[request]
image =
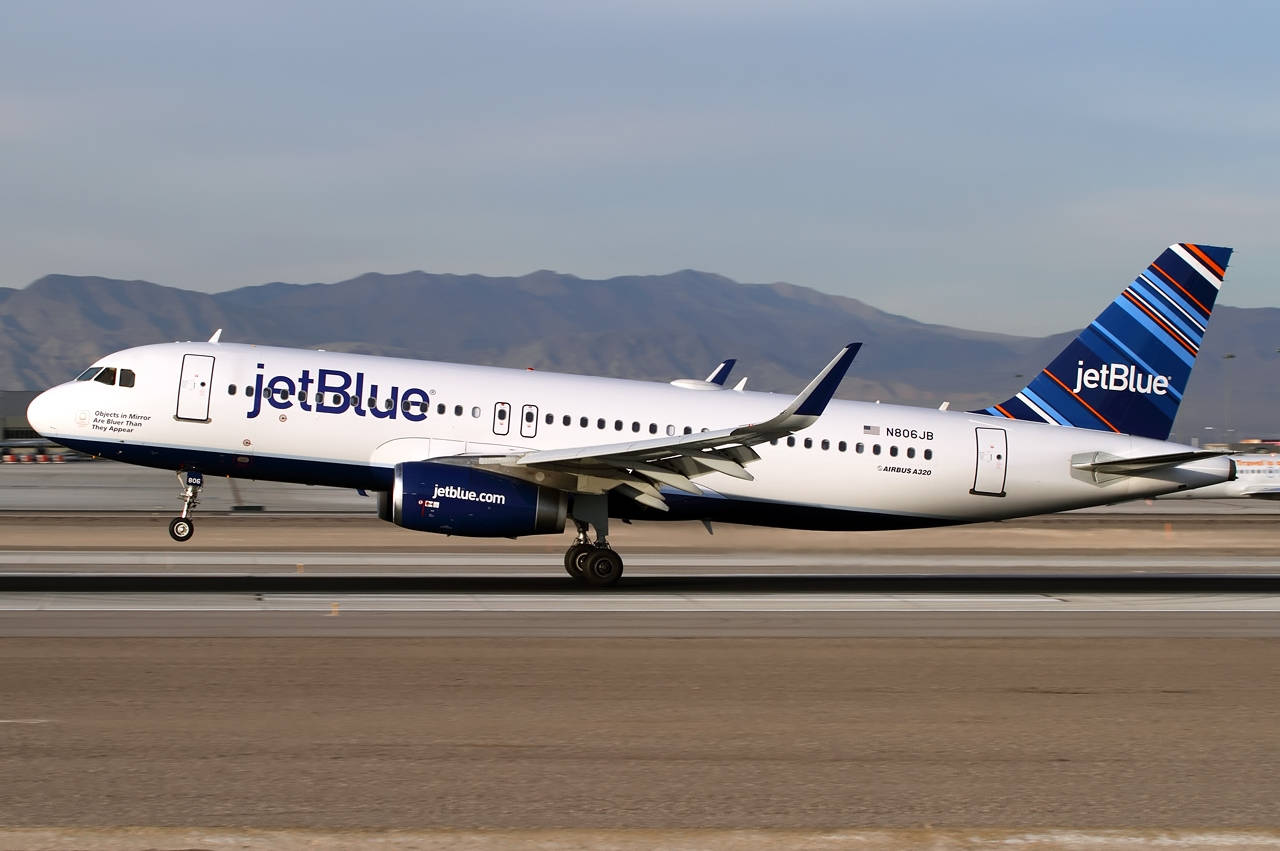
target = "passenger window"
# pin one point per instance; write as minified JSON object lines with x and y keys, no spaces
{"x":928,"y":454}
{"x":773,"y":442}
{"x":126,"y":378}
{"x":372,"y":403}
{"x":302,"y":396}
{"x":791,"y":441}
{"x":911,"y":452}
{"x":635,"y":426}
{"x":551,"y":419}
{"x":671,"y":431}
{"x":231,"y":390}
{"x":688,"y":430}
{"x":475,"y":412}
{"x":842,"y":446}
{"x":388,"y":406}
{"x":893,"y":451}
{"x":582,"y":422}
{"x":248,"y":391}
{"x":826,"y":444}
{"x":568,"y":420}
{"x":337,"y":398}
{"x":404,"y":405}
{"x":653,"y":428}
{"x":600,"y":423}
{"x":858,"y":449}
{"x":617,"y":425}
{"x":440,"y":408}
{"x":808,"y":443}
{"x":875,"y":449}
{"x":457,"y":410}
{"x":107,"y":376}
{"x":502,"y":414}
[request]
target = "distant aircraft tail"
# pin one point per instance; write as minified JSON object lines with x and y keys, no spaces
{"x":1127,"y":371}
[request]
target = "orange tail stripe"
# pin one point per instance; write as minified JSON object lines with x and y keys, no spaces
{"x":1204,"y":258}
{"x":1082,"y":402}
{"x":1170,"y":279}
{"x":1171,"y":332}
{"x":1003,"y":411}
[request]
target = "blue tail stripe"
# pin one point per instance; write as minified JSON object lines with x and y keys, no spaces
{"x":1170,"y":311}
{"x":1158,"y":284}
{"x":1161,"y":335}
{"x":1043,"y":404}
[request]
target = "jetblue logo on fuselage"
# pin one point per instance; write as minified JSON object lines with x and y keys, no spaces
{"x":1124,"y":377}
{"x":333,"y":391}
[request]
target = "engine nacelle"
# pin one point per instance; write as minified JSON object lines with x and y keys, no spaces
{"x":452,"y":500}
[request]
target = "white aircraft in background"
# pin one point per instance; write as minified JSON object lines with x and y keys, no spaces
{"x":1257,"y":477}
{"x":484,"y":451}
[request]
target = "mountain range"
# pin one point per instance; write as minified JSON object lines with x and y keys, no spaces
{"x":649,"y":327}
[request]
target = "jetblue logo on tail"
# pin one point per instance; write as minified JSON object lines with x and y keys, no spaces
{"x":1124,"y":377}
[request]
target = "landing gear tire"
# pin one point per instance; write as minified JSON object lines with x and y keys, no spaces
{"x":575,"y":559}
{"x":181,"y":529}
{"x":602,"y":568}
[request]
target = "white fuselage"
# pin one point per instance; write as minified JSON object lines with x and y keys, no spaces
{"x":202,"y":406}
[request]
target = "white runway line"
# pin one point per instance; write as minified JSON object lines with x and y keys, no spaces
{"x":924,"y":562}
{"x":586,"y":602}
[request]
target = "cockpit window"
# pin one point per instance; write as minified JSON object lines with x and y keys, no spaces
{"x":89,"y":373}
{"x":126,"y":378}
{"x":107,"y":376}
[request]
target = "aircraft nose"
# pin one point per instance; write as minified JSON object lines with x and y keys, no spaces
{"x":43,"y":413}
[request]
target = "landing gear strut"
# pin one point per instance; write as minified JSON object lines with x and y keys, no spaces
{"x":592,"y":563}
{"x":182,"y":527}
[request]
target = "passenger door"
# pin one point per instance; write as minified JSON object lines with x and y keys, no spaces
{"x":989,"y":473}
{"x":194,"y":385}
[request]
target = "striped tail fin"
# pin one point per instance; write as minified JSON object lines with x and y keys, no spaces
{"x":1127,"y":371}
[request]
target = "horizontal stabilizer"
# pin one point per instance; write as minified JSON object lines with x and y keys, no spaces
{"x":1100,"y":462}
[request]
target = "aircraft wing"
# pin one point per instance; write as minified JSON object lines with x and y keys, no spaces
{"x":638,"y":468}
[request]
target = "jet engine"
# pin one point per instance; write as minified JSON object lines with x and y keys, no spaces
{"x":455,"y":500}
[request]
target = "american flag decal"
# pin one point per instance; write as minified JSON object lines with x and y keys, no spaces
{"x":871,"y":430}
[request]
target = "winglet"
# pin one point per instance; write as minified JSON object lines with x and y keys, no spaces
{"x":217,"y":335}
{"x":721,"y":373}
{"x":813,"y":400}
{"x":805,"y":409}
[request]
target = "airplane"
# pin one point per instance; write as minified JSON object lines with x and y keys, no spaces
{"x":493,"y":452}
{"x":1258,"y":477}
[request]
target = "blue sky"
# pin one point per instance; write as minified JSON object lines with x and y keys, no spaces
{"x":997,"y":165}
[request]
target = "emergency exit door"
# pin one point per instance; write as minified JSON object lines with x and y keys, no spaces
{"x":194,"y":385}
{"x":989,"y":473}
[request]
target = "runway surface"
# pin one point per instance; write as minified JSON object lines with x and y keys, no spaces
{"x":601,"y":734}
{"x":1107,"y":672}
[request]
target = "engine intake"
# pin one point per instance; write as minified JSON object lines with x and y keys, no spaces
{"x":452,"y":500}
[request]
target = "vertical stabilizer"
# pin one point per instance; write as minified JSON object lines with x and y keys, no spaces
{"x":1127,"y":371}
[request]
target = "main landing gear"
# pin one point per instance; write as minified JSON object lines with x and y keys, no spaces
{"x":182,"y":527}
{"x":595,"y":564}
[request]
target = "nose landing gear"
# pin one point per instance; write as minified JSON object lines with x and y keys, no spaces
{"x":182,"y":527}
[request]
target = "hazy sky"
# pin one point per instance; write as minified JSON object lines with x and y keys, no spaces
{"x":999,"y":165}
